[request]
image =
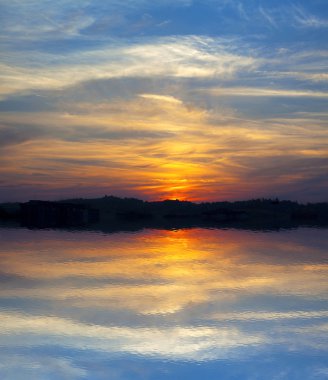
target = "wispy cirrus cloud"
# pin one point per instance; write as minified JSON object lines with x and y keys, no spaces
{"x":279,"y":16}
{"x":305,"y":19}
{"x":268,"y":17}
{"x":267,"y":92}
{"x":66,"y":19}
{"x":178,"y":57}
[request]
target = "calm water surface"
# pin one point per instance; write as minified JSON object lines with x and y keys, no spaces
{"x":187,"y":304}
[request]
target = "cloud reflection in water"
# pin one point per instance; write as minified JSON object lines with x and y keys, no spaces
{"x":193,"y":296}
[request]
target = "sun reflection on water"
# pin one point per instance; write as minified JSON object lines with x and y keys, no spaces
{"x":186,"y":295}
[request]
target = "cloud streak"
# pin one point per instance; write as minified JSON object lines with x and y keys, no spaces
{"x":307,"y":20}
{"x":267,"y":92}
{"x":178,"y":57}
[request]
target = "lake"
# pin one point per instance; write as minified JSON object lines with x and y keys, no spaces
{"x":164,"y":304}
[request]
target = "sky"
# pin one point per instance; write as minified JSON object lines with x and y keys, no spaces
{"x":199,"y":100}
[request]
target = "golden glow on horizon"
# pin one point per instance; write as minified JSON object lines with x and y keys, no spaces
{"x":160,"y":149}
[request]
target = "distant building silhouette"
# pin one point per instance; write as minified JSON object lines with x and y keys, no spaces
{"x":55,"y":214}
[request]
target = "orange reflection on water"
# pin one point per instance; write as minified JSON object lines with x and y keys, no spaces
{"x":192,"y":295}
{"x":162,"y":272}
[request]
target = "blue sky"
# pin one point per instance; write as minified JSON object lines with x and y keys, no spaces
{"x":167,"y":99}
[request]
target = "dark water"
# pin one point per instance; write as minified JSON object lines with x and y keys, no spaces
{"x":187,"y":304}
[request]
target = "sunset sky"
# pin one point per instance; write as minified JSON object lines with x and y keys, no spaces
{"x":199,"y":100}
